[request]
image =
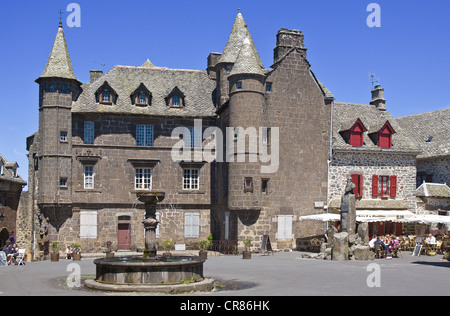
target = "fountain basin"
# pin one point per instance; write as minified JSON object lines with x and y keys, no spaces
{"x":160,"y":270}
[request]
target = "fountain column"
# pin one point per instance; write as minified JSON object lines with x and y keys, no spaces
{"x":150,"y":222}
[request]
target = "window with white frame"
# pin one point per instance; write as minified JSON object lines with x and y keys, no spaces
{"x":63,"y":136}
{"x":190,"y":179}
{"x":88,"y":224}
{"x":144,"y":135}
{"x":143,"y":178}
{"x":89,"y":132}
{"x":191,"y":225}
{"x":88,"y":177}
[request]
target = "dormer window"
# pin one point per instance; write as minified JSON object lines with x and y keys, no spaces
{"x":355,"y":135}
{"x":385,"y":136}
{"x":175,"y":99}
{"x":141,"y":96}
{"x":105,"y":94}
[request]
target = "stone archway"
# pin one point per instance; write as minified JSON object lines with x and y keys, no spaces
{"x":4,"y":235}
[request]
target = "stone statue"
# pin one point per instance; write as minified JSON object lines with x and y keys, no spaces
{"x":349,"y":187}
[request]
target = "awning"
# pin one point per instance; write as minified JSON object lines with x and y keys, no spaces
{"x":364,"y":216}
{"x":429,"y":219}
{"x":382,"y":216}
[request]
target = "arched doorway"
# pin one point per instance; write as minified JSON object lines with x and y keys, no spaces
{"x":4,"y":235}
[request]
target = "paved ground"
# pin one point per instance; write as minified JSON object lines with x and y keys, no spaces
{"x":281,"y":274}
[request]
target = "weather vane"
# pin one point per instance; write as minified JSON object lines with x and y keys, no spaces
{"x":60,"y":14}
{"x":374,"y":81}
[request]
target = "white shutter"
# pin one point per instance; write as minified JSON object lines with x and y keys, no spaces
{"x":191,"y":225}
{"x":88,"y":224}
{"x":284,"y":227}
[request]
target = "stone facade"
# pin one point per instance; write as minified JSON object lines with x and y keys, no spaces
{"x":11,"y":217}
{"x":368,"y":164}
{"x":87,"y":160}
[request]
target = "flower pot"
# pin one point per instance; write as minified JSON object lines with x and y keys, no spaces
{"x":246,"y":255}
{"x":76,"y":256}
{"x":54,"y":256}
{"x":203,"y":254}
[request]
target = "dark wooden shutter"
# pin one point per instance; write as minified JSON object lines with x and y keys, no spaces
{"x":374,"y":185}
{"x":393,"y":186}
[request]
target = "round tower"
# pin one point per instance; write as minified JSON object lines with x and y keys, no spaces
{"x":246,"y":99}
{"x":58,"y":88}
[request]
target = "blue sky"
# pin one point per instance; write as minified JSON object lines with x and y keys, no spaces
{"x":409,"y":53}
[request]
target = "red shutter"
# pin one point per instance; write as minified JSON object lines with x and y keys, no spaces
{"x":355,"y":178}
{"x":374,"y":185}
{"x":360,"y":185}
{"x":393,"y":186}
{"x":384,"y":140}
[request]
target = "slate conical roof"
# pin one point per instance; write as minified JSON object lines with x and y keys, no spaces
{"x":59,"y":64}
{"x":239,"y":33}
{"x":247,"y":61}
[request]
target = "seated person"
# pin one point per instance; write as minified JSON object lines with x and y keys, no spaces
{"x":378,"y":241}
{"x":431,"y":239}
{"x":14,"y":254}
{"x":68,"y":252}
{"x":393,"y":244}
{"x":8,"y":249}
{"x":372,"y":242}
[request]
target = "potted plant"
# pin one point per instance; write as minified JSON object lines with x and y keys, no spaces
{"x":167,"y":245}
{"x":447,"y":255}
{"x":54,"y":248}
{"x":109,"y":252}
{"x":203,"y":246}
{"x":247,"y":244}
{"x":76,"y":251}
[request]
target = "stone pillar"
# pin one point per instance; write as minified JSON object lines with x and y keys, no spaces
{"x":339,"y":251}
{"x":348,"y":214}
{"x":150,"y":223}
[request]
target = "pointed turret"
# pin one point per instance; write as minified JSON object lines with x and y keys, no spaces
{"x":247,"y":62}
{"x":59,"y":64}
{"x":239,"y":33}
{"x":239,"y":41}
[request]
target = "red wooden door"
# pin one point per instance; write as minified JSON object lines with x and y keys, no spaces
{"x":124,"y":237}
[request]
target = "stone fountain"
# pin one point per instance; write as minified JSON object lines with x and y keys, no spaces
{"x":150,"y":272}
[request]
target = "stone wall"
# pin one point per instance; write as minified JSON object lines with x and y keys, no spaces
{"x":438,"y":167}
{"x":368,"y":164}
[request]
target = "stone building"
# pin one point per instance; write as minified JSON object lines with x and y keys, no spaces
{"x":240,"y":150}
{"x":11,"y":184}
{"x":370,"y":146}
{"x":100,"y":141}
{"x":430,"y":133}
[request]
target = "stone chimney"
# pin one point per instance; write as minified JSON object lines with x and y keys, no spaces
{"x":378,"y":98}
{"x":95,"y":74}
{"x":286,"y":40}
